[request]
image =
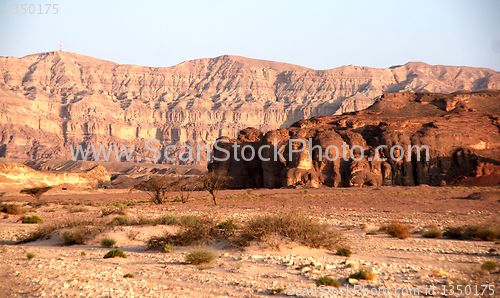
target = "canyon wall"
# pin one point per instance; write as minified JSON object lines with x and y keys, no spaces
{"x":51,"y":101}
{"x":461,"y":132}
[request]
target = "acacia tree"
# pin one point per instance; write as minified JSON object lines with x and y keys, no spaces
{"x":36,"y":192}
{"x":185,"y":185}
{"x":156,"y":187}
{"x":212,"y":183}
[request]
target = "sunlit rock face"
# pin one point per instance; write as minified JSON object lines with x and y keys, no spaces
{"x":50,"y":101}
{"x":460,"y":130}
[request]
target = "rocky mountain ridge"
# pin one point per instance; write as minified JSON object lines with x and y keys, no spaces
{"x":52,"y":100}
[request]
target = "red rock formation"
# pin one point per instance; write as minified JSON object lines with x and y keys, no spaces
{"x":461,"y":131}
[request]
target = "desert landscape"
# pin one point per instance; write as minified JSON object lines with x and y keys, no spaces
{"x":425,"y":260}
{"x":249,"y":148}
{"x":302,"y":227}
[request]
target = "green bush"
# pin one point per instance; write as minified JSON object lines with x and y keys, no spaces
{"x":489,"y":265}
{"x":344,"y":252}
{"x":30,"y":255}
{"x":328,"y":281}
{"x":128,"y":275}
{"x":108,"y":242}
{"x":115,"y":253}
{"x":33,"y":219}
{"x":199,"y":256}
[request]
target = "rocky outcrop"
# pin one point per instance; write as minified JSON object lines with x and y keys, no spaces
{"x":50,"y":101}
{"x":18,"y":176}
{"x":460,"y":130}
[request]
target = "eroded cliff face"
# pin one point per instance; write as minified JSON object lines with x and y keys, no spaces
{"x":460,"y":130}
{"x":50,"y":101}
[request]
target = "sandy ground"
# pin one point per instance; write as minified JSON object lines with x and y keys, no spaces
{"x":417,"y":266}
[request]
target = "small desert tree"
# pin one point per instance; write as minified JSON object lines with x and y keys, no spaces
{"x":212,"y":183}
{"x":36,"y":192}
{"x":156,"y":187}
{"x":185,"y":185}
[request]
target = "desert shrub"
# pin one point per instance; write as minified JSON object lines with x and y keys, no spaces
{"x":168,"y":220}
{"x":33,"y":219}
{"x":199,"y":256}
{"x":201,"y":231}
{"x":365,"y":274}
{"x":120,"y":210}
{"x":189,"y":220}
{"x":294,"y":227}
{"x":44,"y":231}
{"x":486,"y":232}
{"x":76,"y":235}
{"x":128,"y":275}
{"x":13,"y":209}
{"x":489,"y":265}
{"x":432,"y":232}
{"x":30,"y":255}
{"x":108,"y":242}
{"x":122,"y":221}
{"x":397,"y":229}
{"x":227,"y":225}
{"x":78,"y":209}
{"x":115,"y":253}
{"x":168,"y":248}
{"x":197,"y":232}
{"x":343,"y":251}
{"x":327,"y":281}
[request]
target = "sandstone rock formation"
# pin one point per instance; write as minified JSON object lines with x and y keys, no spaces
{"x":461,"y":130}
{"x":50,"y":101}
{"x":18,"y":176}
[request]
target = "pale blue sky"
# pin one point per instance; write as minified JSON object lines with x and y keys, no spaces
{"x":317,"y":34}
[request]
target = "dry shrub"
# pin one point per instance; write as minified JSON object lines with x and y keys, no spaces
{"x":13,"y":209}
{"x":201,"y":231}
{"x":294,"y":227}
{"x":485,"y":232}
{"x":80,"y":234}
{"x":44,"y":231}
{"x":120,"y":210}
{"x":364,"y":274}
{"x":397,"y":229}
{"x":197,"y":232}
{"x":199,"y":256}
{"x":432,"y":232}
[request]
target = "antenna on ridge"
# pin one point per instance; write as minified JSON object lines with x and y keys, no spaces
{"x":60,"y":46}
